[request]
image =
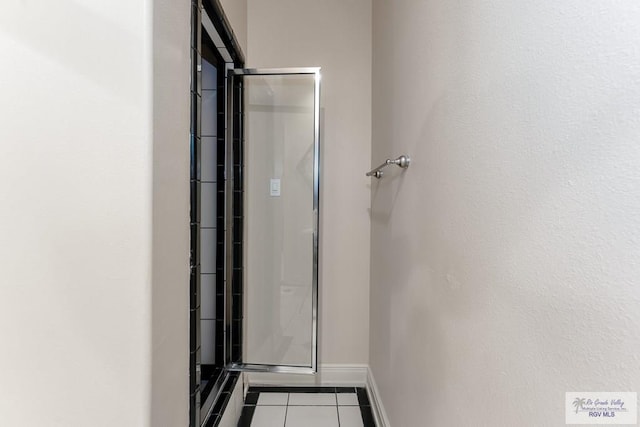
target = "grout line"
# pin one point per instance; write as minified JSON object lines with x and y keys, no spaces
{"x":337,"y":409}
{"x":286,"y":411}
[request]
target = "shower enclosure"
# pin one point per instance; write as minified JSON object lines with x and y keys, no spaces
{"x":281,"y":199}
{"x":254,"y":216}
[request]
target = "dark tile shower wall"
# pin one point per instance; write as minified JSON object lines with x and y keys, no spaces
{"x":216,"y":292}
{"x":221,"y":278}
{"x":225,"y":396}
{"x":237,"y":223}
{"x":195,"y":185}
{"x":212,"y":246}
{"x":209,"y":238}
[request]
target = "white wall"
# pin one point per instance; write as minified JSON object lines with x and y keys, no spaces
{"x":505,"y":261}
{"x":335,"y":35}
{"x":236,"y":12}
{"x":78,"y":223}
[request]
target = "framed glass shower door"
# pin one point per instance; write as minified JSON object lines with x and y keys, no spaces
{"x":279,"y":179}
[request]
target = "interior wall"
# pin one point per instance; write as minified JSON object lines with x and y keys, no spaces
{"x":335,"y":35}
{"x":75,"y":185}
{"x":236,"y":11}
{"x":504,"y":261}
{"x":93,"y":301}
{"x":170,"y":215}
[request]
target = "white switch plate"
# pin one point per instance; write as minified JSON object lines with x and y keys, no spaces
{"x":275,"y":187}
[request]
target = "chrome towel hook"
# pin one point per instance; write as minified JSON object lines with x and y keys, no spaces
{"x":402,"y":161}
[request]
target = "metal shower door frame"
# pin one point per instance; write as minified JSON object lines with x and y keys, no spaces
{"x":315,"y":71}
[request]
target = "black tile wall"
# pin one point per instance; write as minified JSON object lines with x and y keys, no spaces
{"x":220,"y":302}
{"x":237,"y":304}
{"x":238,"y":231}
{"x":194,"y":327}
{"x":237,"y":153}
{"x":194,"y":408}
{"x":237,"y":254}
{"x":224,"y":398}
{"x":220,"y":351}
{"x":194,"y":279}
{"x":236,"y":353}
{"x":199,"y":391}
{"x":236,"y":331}
{"x":237,"y":179}
{"x":195,"y":244}
{"x":214,"y":371}
{"x":221,"y":144}
{"x":237,"y":282}
{"x":193,"y":147}
{"x":220,"y":252}
{"x":238,"y":204}
{"x":195,"y":286}
{"x":195,"y":201}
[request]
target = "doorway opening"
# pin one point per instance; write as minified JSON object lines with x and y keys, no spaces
{"x":215,"y":321}
{"x":254,"y":230}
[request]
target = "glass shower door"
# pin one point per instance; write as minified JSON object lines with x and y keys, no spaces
{"x":280,"y":229}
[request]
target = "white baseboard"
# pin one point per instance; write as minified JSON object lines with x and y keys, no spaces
{"x":328,"y":375}
{"x":376,"y":402}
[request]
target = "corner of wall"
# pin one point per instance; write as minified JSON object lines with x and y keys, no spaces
{"x":379,"y":413}
{"x":236,"y":11}
{"x":170,"y":215}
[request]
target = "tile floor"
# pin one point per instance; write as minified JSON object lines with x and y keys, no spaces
{"x":306,"y":407}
